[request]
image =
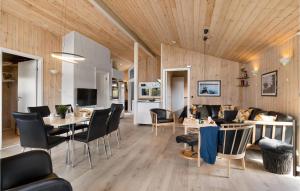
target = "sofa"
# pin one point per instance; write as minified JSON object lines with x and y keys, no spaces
{"x":230,"y":115}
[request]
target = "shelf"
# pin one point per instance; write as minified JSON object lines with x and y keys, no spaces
{"x":243,"y":78}
{"x":244,"y":86}
{"x":8,"y":81}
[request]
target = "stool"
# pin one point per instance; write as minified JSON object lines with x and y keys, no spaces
{"x":277,"y":155}
{"x":191,"y":140}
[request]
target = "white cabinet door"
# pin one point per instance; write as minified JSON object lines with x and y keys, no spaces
{"x":27,"y":85}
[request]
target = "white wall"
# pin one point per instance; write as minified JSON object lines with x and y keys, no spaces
{"x":83,"y":74}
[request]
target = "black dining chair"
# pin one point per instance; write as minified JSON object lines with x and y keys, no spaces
{"x":33,"y":133}
{"x":97,"y":129}
{"x":44,"y":111}
{"x":114,"y":121}
{"x":80,"y":126}
{"x":30,"y":170}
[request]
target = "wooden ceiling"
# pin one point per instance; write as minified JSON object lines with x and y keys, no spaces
{"x":63,"y":16}
{"x":238,"y":28}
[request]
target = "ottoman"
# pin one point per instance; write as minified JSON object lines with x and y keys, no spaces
{"x":277,"y":155}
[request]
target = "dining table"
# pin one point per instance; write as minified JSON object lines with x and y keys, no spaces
{"x":195,"y":125}
{"x":70,"y":120}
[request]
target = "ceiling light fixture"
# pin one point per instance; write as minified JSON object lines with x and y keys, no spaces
{"x":65,"y":56}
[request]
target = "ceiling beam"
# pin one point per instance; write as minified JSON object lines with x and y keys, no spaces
{"x":107,"y":12}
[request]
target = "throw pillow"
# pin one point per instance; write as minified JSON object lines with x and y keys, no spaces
{"x":242,"y":115}
{"x":224,"y":108}
{"x":202,"y":111}
{"x":263,"y":117}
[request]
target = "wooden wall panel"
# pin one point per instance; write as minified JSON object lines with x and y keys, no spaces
{"x":20,"y":35}
{"x":287,"y":100}
{"x":149,"y":69}
{"x":211,"y":68}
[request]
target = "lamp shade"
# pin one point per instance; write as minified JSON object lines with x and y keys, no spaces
{"x":68,"y":57}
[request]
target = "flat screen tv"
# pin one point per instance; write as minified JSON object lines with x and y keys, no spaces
{"x":86,"y":97}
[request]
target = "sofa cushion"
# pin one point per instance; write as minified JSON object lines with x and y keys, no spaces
{"x":254,"y":112}
{"x":264,"y":117}
{"x":230,"y":115}
{"x":224,"y":108}
{"x":215,"y":110}
{"x":202,"y":112}
{"x":242,"y":115}
{"x":281,"y":116}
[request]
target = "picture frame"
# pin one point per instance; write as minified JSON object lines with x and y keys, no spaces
{"x":269,"y":82}
{"x":209,"y":88}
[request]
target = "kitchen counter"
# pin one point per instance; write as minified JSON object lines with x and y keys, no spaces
{"x":143,"y":111}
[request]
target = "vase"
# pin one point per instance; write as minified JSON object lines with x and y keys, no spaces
{"x":62,"y":115}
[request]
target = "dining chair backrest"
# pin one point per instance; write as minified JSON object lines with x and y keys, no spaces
{"x":69,"y":106}
{"x":160,"y":113}
{"x":114,"y":118}
{"x":44,"y":111}
{"x":97,"y":126}
{"x":234,"y":140}
{"x":32,"y":131}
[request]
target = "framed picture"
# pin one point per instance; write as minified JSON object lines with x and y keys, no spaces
{"x":209,"y":88}
{"x":269,"y":84}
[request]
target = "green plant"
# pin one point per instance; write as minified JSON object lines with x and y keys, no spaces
{"x":62,"y":109}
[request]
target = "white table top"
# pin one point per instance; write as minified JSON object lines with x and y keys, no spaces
{"x":70,"y":119}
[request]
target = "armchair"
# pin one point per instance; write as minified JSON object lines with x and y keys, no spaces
{"x":31,"y":171}
{"x":162,"y":118}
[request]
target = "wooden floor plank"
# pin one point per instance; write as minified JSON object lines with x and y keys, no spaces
{"x":145,"y":162}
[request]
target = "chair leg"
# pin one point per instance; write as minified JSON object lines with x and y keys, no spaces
{"x":228,"y":170}
{"x":105,"y":147}
{"x":119,"y":134}
{"x":117,"y":139}
{"x":109,"y":146}
{"x":68,"y":153}
{"x":243,"y":163}
{"x":89,"y":155}
{"x":98,"y":145}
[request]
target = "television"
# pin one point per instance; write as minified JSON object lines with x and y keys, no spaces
{"x":86,"y":97}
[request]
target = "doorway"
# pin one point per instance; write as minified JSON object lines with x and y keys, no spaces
{"x":176,"y":89}
{"x":21,"y":87}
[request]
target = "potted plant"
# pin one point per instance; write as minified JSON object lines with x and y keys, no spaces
{"x":62,"y":110}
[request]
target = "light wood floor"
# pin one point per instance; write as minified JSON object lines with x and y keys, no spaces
{"x":145,"y":162}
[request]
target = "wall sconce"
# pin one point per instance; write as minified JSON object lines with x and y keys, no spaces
{"x":254,"y":71}
{"x":285,"y":61}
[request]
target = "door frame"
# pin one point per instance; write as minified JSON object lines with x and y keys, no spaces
{"x":39,"y":80}
{"x":165,"y":84}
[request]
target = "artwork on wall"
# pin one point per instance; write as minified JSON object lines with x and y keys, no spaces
{"x":209,"y":88}
{"x":269,"y":84}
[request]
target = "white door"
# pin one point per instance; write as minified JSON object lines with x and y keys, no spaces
{"x":103,"y":90}
{"x":27,"y":85}
{"x":177,"y":92}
